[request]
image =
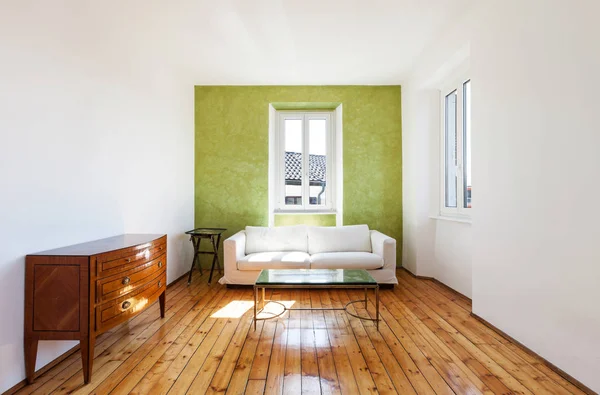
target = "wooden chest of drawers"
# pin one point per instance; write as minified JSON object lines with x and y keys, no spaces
{"x":81,"y":291}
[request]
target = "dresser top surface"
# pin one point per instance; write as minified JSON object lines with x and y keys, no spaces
{"x":103,"y":245}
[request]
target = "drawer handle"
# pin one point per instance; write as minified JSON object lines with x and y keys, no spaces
{"x":160,"y":248}
{"x":128,"y":260}
{"x":159,"y":264}
{"x":126,"y":281}
{"x":159,"y":284}
{"x":126,"y":305}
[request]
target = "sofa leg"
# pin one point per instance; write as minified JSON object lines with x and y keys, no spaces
{"x":386,"y":286}
{"x":239,"y":286}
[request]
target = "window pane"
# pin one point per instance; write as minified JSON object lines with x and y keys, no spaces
{"x":451,"y":145}
{"x":467,"y":143}
{"x":317,"y":161}
{"x":293,"y":162}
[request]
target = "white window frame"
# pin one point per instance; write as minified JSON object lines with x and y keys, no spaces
{"x":456,"y":84}
{"x":279,"y":187}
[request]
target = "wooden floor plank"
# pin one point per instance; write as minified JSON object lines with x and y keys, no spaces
{"x":427,"y":343}
{"x":72,"y":365}
{"x":241,"y":372}
{"x":111,"y":358}
{"x":167,"y":346}
{"x":260,"y":364}
{"x":275,"y":376}
{"x":360,"y":368}
{"x":292,"y":377}
{"x":210,"y":350}
{"x":346,"y":379}
{"x":228,"y":338}
{"x":457,"y":342}
{"x":255,"y":387}
{"x":226,"y":366}
{"x":327,"y":372}
{"x":519,"y":368}
{"x":383,"y":381}
{"x":308,"y":352}
{"x":390,"y":363}
{"x":210,"y":328}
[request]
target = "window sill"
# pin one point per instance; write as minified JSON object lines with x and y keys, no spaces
{"x":464,"y":220}
{"x":305,"y":212}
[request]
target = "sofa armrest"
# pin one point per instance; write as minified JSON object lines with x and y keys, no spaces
{"x":234,"y":249}
{"x":385,"y":247}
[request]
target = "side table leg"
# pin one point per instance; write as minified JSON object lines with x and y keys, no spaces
{"x":217,"y":251}
{"x":215,"y":258}
{"x":196,"y":244}
{"x":366,"y":297}
{"x":31,"y":347}
{"x":197,"y":255}
{"x":263,"y":297}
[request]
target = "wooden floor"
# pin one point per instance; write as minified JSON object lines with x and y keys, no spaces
{"x":427,"y":343}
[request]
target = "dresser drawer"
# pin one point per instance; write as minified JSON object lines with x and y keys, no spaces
{"x":114,"y":286}
{"x":121,"y":309}
{"x":126,"y":260}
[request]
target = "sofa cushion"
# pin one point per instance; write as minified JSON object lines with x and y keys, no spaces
{"x":339,"y":239}
{"x":279,"y":238}
{"x":346,"y":260}
{"x":275,"y":260}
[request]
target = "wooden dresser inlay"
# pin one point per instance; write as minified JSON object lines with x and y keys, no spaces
{"x":81,"y":291}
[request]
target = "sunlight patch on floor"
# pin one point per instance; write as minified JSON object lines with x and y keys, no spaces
{"x":234,"y":309}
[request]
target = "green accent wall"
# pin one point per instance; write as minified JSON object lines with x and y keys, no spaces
{"x":305,"y":219}
{"x":231,"y":154}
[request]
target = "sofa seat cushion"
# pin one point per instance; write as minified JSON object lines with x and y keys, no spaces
{"x":346,"y":260}
{"x":275,"y":260}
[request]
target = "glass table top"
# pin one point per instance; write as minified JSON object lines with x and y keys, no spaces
{"x":205,"y":231}
{"x":315,"y":276}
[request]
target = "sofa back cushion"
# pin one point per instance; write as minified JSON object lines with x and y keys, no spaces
{"x":339,"y":239}
{"x":279,"y":238}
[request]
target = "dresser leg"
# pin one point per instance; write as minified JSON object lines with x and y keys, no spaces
{"x":162,"y":299}
{"x":31,"y":347}
{"x":87,"y":357}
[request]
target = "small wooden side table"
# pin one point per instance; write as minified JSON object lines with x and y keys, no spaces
{"x":214,"y":236}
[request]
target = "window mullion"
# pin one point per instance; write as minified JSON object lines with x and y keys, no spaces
{"x":305,"y":164}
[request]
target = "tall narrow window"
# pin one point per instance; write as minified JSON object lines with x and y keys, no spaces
{"x":456,"y":149}
{"x":305,"y":171}
{"x":451,"y":148}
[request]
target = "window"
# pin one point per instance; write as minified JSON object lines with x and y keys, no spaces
{"x":456,"y":149}
{"x":305,"y":171}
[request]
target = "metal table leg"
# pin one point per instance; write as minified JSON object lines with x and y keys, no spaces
{"x":377,"y":306}
{"x":255,"y":303}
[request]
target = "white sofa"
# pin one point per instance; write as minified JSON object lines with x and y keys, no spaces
{"x":308,"y":247}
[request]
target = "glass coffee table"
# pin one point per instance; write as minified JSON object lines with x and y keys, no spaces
{"x":312,"y":279}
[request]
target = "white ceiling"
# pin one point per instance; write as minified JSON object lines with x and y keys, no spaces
{"x":302,"y":42}
{"x":251,"y":42}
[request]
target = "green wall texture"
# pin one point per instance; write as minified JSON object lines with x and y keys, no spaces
{"x":231,"y":154}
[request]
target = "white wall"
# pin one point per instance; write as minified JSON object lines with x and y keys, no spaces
{"x":536,"y":261}
{"x":532,"y":243}
{"x":433,"y":247}
{"x":96,"y":139}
